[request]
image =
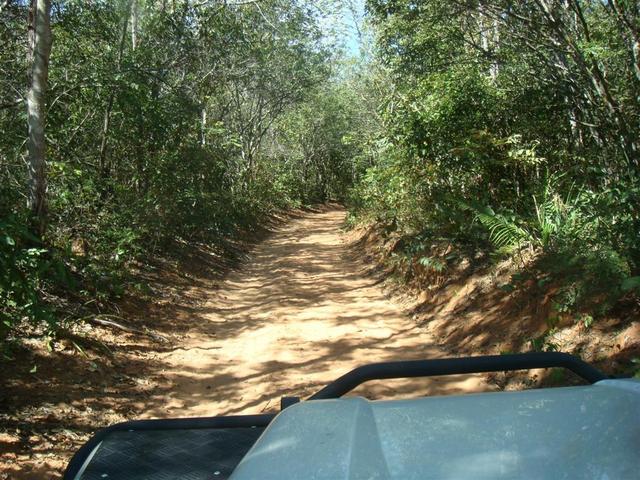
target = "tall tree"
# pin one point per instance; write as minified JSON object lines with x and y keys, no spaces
{"x":39,"y":51}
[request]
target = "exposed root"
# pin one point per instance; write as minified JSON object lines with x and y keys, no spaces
{"x":108,"y":321}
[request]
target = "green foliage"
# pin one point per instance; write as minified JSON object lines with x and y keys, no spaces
{"x":433,"y":264}
{"x":25,"y":268}
{"x":496,"y":135}
{"x":504,"y":231}
{"x":630,"y":284}
{"x":588,"y":279}
{"x":315,"y":140}
{"x":544,"y":343}
{"x":573,"y":250}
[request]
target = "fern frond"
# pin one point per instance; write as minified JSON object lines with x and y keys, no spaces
{"x":503,"y":232}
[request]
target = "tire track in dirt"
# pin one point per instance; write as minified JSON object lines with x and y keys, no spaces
{"x":299,"y":313}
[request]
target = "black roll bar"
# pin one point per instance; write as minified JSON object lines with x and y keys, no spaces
{"x":454,"y":366}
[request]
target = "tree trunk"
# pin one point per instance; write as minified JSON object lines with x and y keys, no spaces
{"x":134,"y":24}
{"x":203,"y":126}
{"x":595,"y":73}
{"x":39,"y":52}
{"x":631,"y":25}
{"x":105,"y":165}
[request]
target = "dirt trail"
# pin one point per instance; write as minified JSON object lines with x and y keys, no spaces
{"x":298,"y":314}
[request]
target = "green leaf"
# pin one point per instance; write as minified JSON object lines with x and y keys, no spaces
{"x":432,"y":264}
{"x":587,"y":320}
{"x":34,"y":369}
{"x":507,"y":287}
{"x":543,"y":281}
{"x":9,"y":241}
{"x":631,"y":283}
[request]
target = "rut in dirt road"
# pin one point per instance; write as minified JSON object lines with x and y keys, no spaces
{"x":299,"y":313}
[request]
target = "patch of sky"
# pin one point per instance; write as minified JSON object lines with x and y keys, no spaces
{"x":342,"y":23}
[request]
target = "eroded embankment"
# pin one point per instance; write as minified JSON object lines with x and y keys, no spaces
{"x":470,"y":307}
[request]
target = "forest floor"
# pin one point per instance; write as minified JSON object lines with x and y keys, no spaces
{"x":300,"y":310}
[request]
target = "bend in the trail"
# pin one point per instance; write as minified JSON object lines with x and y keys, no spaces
{"x":299,"y":313}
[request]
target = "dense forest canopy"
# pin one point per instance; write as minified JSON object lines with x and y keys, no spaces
{"x":495,"y":126}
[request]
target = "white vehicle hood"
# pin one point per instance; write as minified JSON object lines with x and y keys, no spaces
{"x":590,"y":432}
